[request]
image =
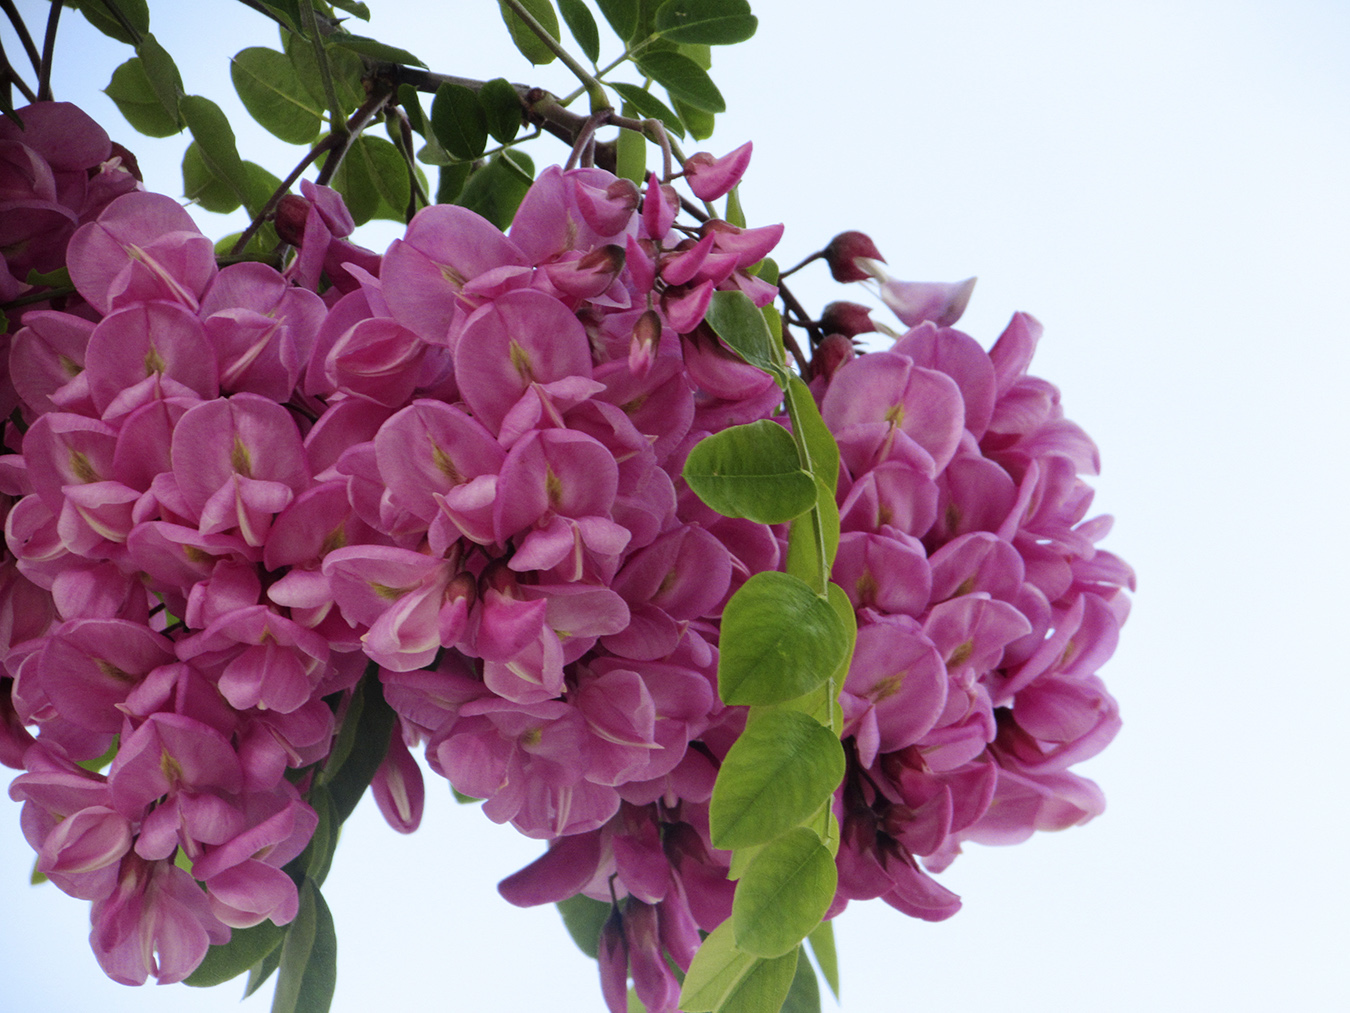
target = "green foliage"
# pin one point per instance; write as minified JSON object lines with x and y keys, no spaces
{"x":804,"y":995}
{"x":739,"y":323}
{"x":136,"y":99}
{"x":97,"y":13}
{"x":706,"y":22}
{"x":372,"y":724}
{"x":215,"y":141}
{"x":308,"y":970}
{"x":459,"y":122}
{"x":246,"y":948}
{"x":162,"y":74}
{"x":751,"y":471}
{"x":529,"y":44}
{"x":684,"y":80}
{"x":344,"y":66}
{"x":699,"y":121}
{"x":776,"y":776}
{"x":373,"y":180}
{"x":723,"y":979}
{"x":375,"y":50}
{"x":502,"y":109}
{"x":270,"y":88}
{"x":822,"y":945}
{"x":202,"y":187}
{"x":584,"y":918}
{"x":496,"y":190}
{"x":780,"y":640}
{"x":630,"y":155}
{"x":783,"y":894}
{"x":582,"y":26}
{"x":622,"y":16}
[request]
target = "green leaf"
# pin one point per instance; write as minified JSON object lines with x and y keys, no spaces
{"x":211,"y":130}
{"x":622,"y":16}
{"x":751,"y":471}
{"x":736,"y":216}
{"x":779,"y":640}
{"x":202,"y":187}
{"x":317,"y":858}
{"x":775,"y":777}
{"x":246,"y":948}
{"x":288,"y":11}
{"x":135,"y":98}
{"x":650,"y":107}
{"x":96,"y":12}
{"x":722,"y":979}
{"x":373,"y":730}
{"x":375,"y":50}
{"x":495,"y":190}
{"x":523,"y":36}
{"x":822,"y":945}
{"x":582,"y":26}
{"x":344,"y":66}
{"x":804,"y":995}
{"x":699,"y":121}
{"x":308,"y":971}
{"x":630,"y":151}
{"x":584,"y":918}
{"x":783,"y":894}
{"x":501,"y":105}
{"x":353,"y":7}
{"x":261,"y":971}
{"x":162,"y":74}
{"x":459,"y":122}
{"x":820,"y":443}
{"x":37,"y":877}
{"x":270,"y":89}
{"x":373,"y":179}
{"x":707,"y":22}
{"x":451,"y":180}
{"x":684,"y":79}
{"x":739,"y":323}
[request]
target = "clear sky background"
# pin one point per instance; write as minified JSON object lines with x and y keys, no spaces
{"x":1163,"y":184}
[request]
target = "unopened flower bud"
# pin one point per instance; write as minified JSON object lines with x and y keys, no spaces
{"x":291,"y":214}
{"x":844,"y":250}
{"x":846,"y":318}
{"x":830,"y":354}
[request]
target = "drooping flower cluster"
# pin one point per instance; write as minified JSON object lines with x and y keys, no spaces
{"x":459,"y":469}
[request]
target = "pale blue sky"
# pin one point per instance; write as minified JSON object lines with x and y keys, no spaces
{"x":1165,"y":186}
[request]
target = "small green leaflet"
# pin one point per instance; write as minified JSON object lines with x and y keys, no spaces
{"x":459,"y":122}
{"x":582,"y":26}
{"x":97,"y":14}
{"x":530,"y":45}
{"x":584,"y":918}
{"x":502,"y":109}
{"x":683,"y":79}
{"x":804,"y":995}
{"x":822,"y":945}
{"x":270,"y":88}
{"x":229,"y":960}
{"x":622,"y":16}
{"x":496,"y":190}
{"x":739,"y":323}
{"x":707,"y":22}
{"x":751,"y":471}
{"x":783,"y":894}
{"x":777,"y":775}
{"x":780,"y":640}
{"x":308,"y":973}
{"x":135,"y":98}
{"x":373,"y":179}
{"x":722,"y":979}
{"x":375,"y":50}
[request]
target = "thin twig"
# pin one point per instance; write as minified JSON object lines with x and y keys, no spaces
{"x":48,"y":54}
{"x":812,"y":331}
{"x":353,"y":127}
{"x":21,"y":30}
{"x":9,"y":76}
{"x":281,"y":191}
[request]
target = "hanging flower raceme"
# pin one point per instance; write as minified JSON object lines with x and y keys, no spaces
{"x":247,"y":521}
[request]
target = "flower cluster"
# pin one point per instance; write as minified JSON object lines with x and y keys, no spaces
{"x":984,"y":607}
{"x":458,"y":469}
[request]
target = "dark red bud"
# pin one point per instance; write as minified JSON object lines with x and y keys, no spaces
{"x":846,"y":318}
{"x":845,"y":249}
{"x":830,"y":354}
{"x":291,"y":214}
